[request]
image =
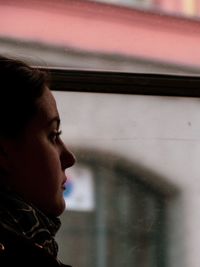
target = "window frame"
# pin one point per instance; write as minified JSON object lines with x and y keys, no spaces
{"x":124,"y":83}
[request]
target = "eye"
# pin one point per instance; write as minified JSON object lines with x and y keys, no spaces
{"x":55,"y":136}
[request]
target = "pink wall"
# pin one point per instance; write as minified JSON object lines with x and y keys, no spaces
{"x":102,"y":28}
{"x":198,"y":6}
{"x":171,"y":5}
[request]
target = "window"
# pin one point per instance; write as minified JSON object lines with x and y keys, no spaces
{"x":123,"y":224}
{"x":136,"y":143}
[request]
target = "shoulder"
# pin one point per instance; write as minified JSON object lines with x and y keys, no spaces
{"x":17,"y":250}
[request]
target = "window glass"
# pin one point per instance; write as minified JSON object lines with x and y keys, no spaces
{"x":133,"y":194}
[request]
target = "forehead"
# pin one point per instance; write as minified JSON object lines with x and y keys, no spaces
{"x":47,"y":108}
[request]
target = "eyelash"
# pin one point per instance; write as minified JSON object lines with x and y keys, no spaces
{"x":55,"y":135}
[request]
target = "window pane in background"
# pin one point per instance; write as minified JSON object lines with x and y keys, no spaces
{"x":133,"y":195}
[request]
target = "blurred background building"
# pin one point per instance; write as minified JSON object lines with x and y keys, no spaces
{"x":172,"y":7}
{"x":133,"y":197}
{"x":134,"y":36}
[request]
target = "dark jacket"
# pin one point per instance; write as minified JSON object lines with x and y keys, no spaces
{"x":16,"y":250}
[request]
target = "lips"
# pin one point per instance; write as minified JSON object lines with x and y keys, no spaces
{"x":64,"y":184}
{"x":63,"y":187}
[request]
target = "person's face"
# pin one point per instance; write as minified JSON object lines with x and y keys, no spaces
{"x":37,"y":161}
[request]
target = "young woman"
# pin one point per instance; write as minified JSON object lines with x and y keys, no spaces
{"x":33,"y":160}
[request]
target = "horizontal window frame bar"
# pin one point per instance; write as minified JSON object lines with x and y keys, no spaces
{"x":123,"y":83}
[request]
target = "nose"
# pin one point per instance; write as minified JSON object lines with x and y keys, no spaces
{"x":67,"y":158}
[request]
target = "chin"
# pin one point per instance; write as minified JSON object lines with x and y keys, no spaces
{"x":59,"y":209}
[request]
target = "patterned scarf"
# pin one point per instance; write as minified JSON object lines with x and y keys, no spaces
{"x":24,"y":219}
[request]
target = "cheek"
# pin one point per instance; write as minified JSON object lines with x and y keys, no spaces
{"x":46,"y":162}
{"x":40,"y":164}
{"x":44,"y":177}
{"x":49,"y":168}
{"x":38,"y":176}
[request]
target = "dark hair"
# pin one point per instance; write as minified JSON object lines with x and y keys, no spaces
{"x":20,"y":87}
